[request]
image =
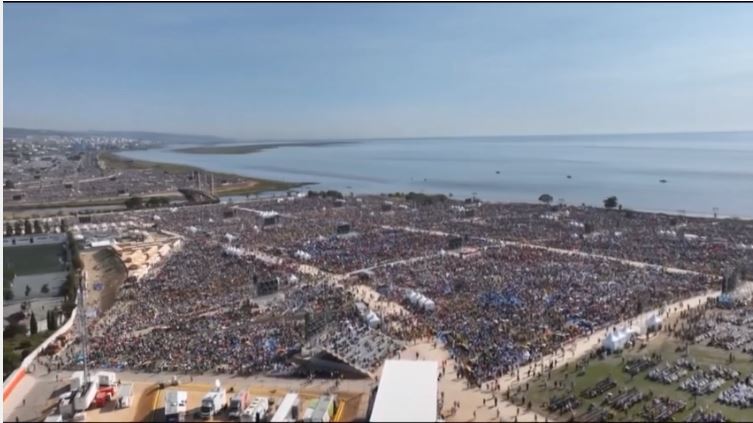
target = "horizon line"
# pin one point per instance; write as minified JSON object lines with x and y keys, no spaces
{"x":258,"y":140}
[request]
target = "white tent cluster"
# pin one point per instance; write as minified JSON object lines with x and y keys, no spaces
{"x":668,"y":233}
{"x":265,"y":214}
{"x":234,"y":251}
{"x":193,"y":229}
{"x":420,"y":301}
{"x":302,"y":255}
{"x":617,"y":339}
{"x":371,"y":318}
{"x":693,"y":237}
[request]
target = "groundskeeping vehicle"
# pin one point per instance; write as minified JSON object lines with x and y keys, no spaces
{"x":213,"y":402}
{"x":237,"y":404}
{"x":175,"y":406}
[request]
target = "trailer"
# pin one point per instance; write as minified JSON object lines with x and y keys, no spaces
{"x":175,"y":406}
{"x":83,"y":398}
{"x":256,"y":411}
{"x":237,"y":404}
{"x":125,"y":395}
{"x":213,"y":402}
{"x":288,"y":409}
{"x":325,"y":409}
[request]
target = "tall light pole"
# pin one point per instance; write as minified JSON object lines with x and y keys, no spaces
{"x":82,"y":322}
{"x":716,"y":211}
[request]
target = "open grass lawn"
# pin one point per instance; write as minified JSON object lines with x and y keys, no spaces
{"x":34,"y":259}
{"x":613,"y":367}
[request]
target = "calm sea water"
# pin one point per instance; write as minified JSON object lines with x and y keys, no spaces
{"x":702,"y":171}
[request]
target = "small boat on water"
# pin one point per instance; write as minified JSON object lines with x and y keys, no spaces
{"x":569,"y":177}
{"x":497,"y":172}
{"x":664,"y":181}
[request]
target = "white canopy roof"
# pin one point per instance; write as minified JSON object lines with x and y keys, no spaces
{"x":407,"y":392}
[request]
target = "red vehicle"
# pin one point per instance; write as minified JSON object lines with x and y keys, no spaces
{"x":104,"y":395}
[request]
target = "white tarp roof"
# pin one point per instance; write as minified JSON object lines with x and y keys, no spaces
{"x":407,"y":392}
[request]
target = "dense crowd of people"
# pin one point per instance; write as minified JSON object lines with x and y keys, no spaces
{"x":199,"y":299}
{"x":496,"y":308}
{"x":502,"y":307}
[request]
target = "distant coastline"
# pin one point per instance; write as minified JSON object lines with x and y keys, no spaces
{"x":253,"y":148}
{"x":250,"y":186}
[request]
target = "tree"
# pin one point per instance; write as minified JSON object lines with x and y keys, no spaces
{"x":610,"y":202}
{"x":28,"y":290}
{"x":11,"y":361}
{"x":546,"y":198}
{"x":33,"y":326}
{"x":8,"y":229}
{"x":63,"y":225}
{"x":37,"y":227}
{"x":9,"y":184}
{"x":14,"y":329}
{"x":45,"y":289}
{"x":18,"y":228}
{"x":47,"y":227}
{"x":27,"y":227}
{"x":134,"y":202}
{"x":52,"y":321}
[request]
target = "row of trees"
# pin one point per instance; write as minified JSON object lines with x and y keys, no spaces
{"x":609,"y":203}
{"x":326,"y":194}
{"x":138,"y":202}
{"x":27,"y":227}
{"x":52,"y":322}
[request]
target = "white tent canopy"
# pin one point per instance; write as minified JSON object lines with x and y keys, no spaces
{"x":617,"y":340}
{"x":653,"y":322}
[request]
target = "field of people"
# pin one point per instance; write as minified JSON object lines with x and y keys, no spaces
{"x":496,"y":305}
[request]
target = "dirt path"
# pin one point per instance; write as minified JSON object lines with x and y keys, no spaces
{"x":105,"y":273}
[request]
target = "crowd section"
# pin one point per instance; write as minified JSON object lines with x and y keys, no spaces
{"x":502,"y":307}
{"x":700,"y":244}
{"x":199,"y":300}
{"x":343,"y":254}
{"x":497,"y":307}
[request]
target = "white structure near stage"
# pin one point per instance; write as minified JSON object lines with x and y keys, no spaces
{"x":419,"y":300}
{"x":653,"y":323}
{"x":407,"y":392}
{"x":616,"y":340}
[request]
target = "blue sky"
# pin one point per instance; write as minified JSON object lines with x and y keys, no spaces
{"x":266,"y":71}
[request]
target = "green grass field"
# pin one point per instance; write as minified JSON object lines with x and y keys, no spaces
{"x":612,"y":366}
{"x":34,"y":259}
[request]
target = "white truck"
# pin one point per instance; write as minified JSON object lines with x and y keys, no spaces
{"x":213,"y":402}
{"x":175,"y":406}
{"x":256,"y":411}
{"x":237,"y":404}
